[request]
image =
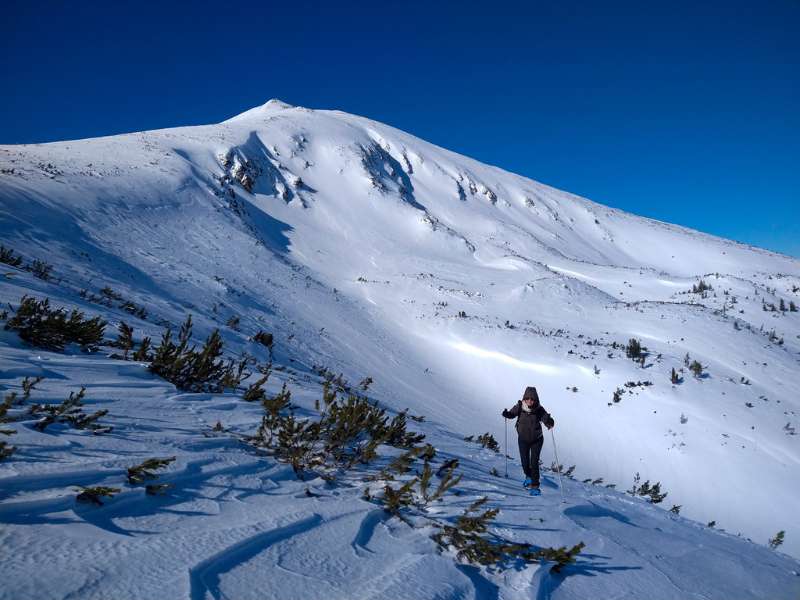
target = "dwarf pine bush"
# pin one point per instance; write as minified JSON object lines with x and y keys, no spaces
{"x":8,"y":257}
{"x":194,"y":370}
{"x":349,"y":432}
{"x":255,"y":392}
{"x":472,"y":541}
{"x":28,"y":385}
{"x":52,"y":328}
{"x":70,"y":411}
{"x":146,"y":470}
{"x":651,"y":492}
{"x":486,"y":440}
{"x":124,"y":339}
{"x":777,"y":540}
{"x":6,"y":449}
{"x":634,"y":349}
{"x":41,"y":269}
{"x":93,"y":495}
{"x":156,"y":489}
{"x":696,"y":368}
{"x":143,"y":353}
{"x":701,"y":287}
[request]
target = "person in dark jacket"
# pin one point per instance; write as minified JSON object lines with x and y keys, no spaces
{"x":530,"y":415}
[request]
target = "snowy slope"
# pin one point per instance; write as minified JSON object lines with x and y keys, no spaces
{"x":358,"y":246}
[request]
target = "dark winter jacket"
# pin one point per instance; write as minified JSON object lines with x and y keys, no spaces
{"x":529,"y":424}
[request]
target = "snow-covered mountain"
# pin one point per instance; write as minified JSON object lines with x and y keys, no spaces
{"x":454,"y":285}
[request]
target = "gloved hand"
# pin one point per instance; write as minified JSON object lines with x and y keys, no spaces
{"x":505,"y":413}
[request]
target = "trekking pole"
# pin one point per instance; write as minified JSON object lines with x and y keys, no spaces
{"x":558,"y":466}
{"x":506,"y":445}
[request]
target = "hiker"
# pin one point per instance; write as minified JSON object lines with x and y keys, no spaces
{"x":530,"y":415}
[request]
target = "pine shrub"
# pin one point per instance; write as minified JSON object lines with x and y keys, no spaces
{"x":143,"y":353}
{"x":264,"y":338}
{"x":474,"y":543}
{"x":42,"y":270}
{"x":6,"y":450}
{"x":195,"y":370}
{"x":146,"y":470}
{"x":8,"y":401}
{"x":651,"y":492}
{"x":487,"y":441}
{"x":156,"y":489}
{"x":777,"y":540}
{"x":93,"y":495}
{"x":634,"y":349}
{"x":701,"y":288}
{"x":124,"y":339}
{"x":70,"y":411}
{"x":255,"y":392}
{"x":28,"y":385}
{"x":52,"y":329}
{"x":8,"y":257}
{"x":696,"y":368}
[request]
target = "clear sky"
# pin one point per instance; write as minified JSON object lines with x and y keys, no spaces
{"x":687,"y":112}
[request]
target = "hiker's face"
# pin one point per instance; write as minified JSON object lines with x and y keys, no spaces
{"x":528,"y":401}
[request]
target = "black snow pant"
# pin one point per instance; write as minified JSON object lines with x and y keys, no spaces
{"x":529,"y":455}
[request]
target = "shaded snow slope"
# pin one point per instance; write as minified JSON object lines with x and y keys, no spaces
{"x":359,"y":246}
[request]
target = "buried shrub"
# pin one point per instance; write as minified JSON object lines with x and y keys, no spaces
{"x":474,"y":543}
{"x":70,"y":411}
{"x":52,"y":329}
{"x":146,"y":470}
{"x":93,"y":495}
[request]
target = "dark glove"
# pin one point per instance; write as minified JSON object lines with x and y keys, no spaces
{"x":505,"y":414}
{"x":550,"y":424}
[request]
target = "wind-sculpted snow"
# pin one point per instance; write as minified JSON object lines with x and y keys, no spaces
{"x":453,"y":285}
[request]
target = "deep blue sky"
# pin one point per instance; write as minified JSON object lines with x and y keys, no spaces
{"x":685,"y":112}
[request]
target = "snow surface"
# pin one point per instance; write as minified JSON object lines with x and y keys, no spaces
{"x":358,"y":246}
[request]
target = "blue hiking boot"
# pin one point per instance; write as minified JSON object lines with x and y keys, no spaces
{"x":535,"y":491}
{"x":527,"y":483}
